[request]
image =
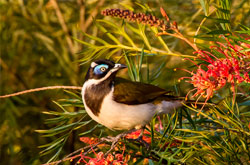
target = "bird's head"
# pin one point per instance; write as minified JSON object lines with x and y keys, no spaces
{"x":102,"y":69}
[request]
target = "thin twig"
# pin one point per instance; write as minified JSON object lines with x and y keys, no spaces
{"x":41,"y":89}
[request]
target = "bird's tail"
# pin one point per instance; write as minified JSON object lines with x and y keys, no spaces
{"x":168,"y":104}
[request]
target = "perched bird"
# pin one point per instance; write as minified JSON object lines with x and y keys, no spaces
{"x":121,"y":104}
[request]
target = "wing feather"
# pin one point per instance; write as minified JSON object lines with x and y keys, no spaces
{"x":132,"y":93}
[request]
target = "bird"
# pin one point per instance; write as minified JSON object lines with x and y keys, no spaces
{"x":121,"y":104}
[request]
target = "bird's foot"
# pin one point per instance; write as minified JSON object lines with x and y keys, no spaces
{"x":114,"y":140}
{"x":140,"y":139}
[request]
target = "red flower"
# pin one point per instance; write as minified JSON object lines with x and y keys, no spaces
{"x":233,"y":69}
{"x":136,"y":134}
{"x":118,"y":159}
{"x":99,"y":159}
{"x":89,"y":140}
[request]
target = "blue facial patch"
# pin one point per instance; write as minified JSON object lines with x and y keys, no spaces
{"x":100,"y":69}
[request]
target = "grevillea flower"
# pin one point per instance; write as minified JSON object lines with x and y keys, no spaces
{"x":139,"y":17}
{"x":143,"y":18}
{"x":100,"y":159}
{"x":136,"y":134}
{"x":233,"y":68}
{"x":110,"y":159}
{"x":89,"y":140}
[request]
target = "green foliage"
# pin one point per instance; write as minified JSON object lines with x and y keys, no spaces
{"x":135,"y":68}
{"x":65,"y":123}
{"x":222,"y":136}
{"x":225,"y":16}
{"x":110,"y":48}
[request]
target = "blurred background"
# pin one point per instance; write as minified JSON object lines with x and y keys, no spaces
{"x":38,"y":48}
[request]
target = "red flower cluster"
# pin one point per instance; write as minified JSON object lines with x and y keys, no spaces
{"x":117,"y":159}
{"x":234,"y":69}
{"x":99,"y":159}
{"x":139,"y":17}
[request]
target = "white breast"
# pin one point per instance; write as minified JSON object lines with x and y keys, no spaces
{"x":121,"y":116}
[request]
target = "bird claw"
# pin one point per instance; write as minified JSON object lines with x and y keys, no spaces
{"x":114,"y":140}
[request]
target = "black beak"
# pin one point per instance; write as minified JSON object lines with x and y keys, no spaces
{"x":120,"y":66}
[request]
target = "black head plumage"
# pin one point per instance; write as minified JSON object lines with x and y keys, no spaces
{"x":99,"y":69}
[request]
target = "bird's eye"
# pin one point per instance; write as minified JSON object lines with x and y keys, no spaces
{"x":102,"y":69}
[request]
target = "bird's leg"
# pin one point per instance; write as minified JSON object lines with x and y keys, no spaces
{"x":140,"y":138}
{"x":115,"y":139}
{"x":142,"y":132}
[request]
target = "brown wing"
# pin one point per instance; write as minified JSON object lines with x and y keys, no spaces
{"x":132,"y":93}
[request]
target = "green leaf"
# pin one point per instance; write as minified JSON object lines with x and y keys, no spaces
{"x":150,"y":162}
{"x":112,"y":37}
{"x":96,"y":38}
{"x":62,"y":128}
{"x":217,"y":32}
{"x":245,"y":113}
{"x":89,"y":131}
{"x":218,"y":20}
{"x":244,"y":32}
{"x":205,"y":6}
{"x":52,"y":145}
{"x":56,"y":155}
{"x":247,"y":103}
{"x":60,"y":106}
